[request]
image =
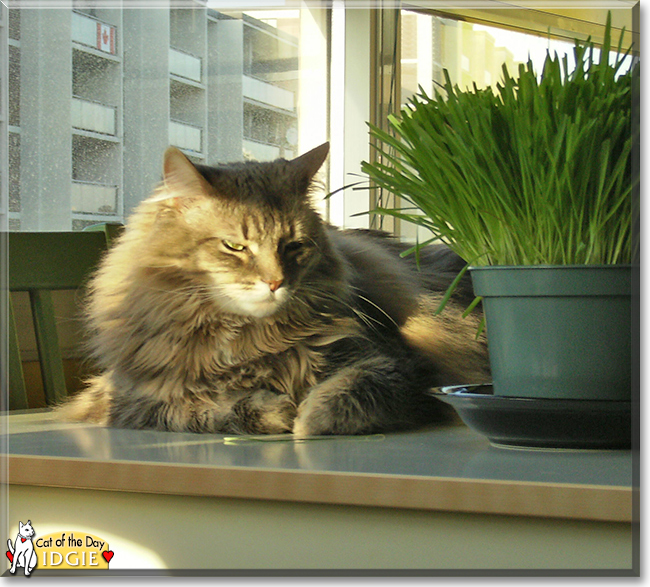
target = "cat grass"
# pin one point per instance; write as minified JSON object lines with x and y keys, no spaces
{"x":538,"y":172}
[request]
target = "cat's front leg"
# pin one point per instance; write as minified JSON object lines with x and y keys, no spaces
{"x":200,"y":410}
{"x":261,"y":412}
{"x":372,"y":395}
{"x":331,"y":407}
{"x":33,"y":561}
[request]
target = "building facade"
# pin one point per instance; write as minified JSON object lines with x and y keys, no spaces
{"x":96,"y":95}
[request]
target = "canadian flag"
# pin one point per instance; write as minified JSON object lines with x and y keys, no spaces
{"x":105,"y":38}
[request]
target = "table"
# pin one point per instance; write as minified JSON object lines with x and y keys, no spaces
{"x":439,"y":500}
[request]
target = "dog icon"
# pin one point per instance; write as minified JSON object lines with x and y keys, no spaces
{"x":21,"y":553}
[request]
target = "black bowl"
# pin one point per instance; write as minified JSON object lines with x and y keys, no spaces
{"x":541,"y":422}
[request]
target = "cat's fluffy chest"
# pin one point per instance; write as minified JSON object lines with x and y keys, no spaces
{"x":233,"y":357}
{"x":185,"y":343}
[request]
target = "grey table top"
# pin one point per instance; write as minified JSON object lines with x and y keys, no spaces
{"x":452,"y":451}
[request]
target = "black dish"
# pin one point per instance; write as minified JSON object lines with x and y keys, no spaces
{"x":540,"y":422}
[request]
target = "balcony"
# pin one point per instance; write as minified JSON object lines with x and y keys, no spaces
{"x":186,"y":136}
{"x":268,"y":94}
{"x":93,"y":33}
{"x":93,"y":116}
{"x":93,"y":198}
{"x":184,"y":65}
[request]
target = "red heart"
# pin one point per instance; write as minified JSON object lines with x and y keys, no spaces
{"x":10,"y":556}
{"x":24,"y":539}
{"x":108,"y":555}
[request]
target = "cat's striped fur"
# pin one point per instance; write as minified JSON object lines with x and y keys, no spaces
{"x":228,"y":305}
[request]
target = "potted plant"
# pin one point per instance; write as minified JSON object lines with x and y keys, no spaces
{"x":532,"y":184}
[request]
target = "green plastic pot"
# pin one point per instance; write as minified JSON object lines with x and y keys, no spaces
{"x":561,"y":332}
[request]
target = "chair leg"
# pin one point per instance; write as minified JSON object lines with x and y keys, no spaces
{"x":48,"y":346}
{"x":17,"y":390}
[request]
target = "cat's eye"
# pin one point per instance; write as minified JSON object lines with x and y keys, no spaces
{"x":232,"y":246}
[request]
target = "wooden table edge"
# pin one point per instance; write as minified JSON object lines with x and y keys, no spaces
{"x":481,"y":496}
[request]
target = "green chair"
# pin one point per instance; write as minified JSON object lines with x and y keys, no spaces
{"x":40,"y":262}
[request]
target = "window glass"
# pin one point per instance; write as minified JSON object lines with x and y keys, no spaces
{"x":96,"y":95}
{"x":473,"y":54}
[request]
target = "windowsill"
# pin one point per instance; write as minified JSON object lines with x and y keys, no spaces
{"x":448,"y":469}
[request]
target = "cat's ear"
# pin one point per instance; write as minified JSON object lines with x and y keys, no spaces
{"x":182,"y":179}
{"x":309,"y":163}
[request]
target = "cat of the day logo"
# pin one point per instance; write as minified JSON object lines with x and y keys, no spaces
{"x":57,"y":550}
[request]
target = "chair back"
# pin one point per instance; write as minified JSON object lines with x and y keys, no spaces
{"x":39,"y":263}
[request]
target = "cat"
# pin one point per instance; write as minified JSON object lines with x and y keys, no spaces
{"x":21,"y":553}
{"x":228,"y":305}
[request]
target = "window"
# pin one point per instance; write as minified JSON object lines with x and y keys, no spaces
{"x":95,"y":96}
{"x":92,"y":96}
{"x":473,"y":45}
{"x":471,"y":53}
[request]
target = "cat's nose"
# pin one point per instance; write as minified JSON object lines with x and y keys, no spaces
{"x":274,"y":285}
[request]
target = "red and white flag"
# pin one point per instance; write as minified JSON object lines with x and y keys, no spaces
{"x":105,"y":38}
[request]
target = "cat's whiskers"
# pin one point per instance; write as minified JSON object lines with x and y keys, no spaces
{"x":165,"y":266}
{"x":189,"y":291}
{"x":314,"y":242}
{"x":326,"y":296}
{"x":368,"y":301}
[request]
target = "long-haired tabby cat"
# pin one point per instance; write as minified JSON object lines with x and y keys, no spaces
{"x":228,"y":305}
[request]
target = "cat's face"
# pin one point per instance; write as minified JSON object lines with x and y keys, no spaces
{"x":252,"y":259}
{"x":26,"y":530}
{"x":247,"y":231}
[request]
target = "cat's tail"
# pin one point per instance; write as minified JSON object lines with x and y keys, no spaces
{"x":90,"y":405}
{"x":449,"y":341}
{"x":10,"y":545}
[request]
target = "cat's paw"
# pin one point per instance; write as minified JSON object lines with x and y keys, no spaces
{"x":278,"y":415}
{"x":303,"y":427}
{"x":327,"y":411}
